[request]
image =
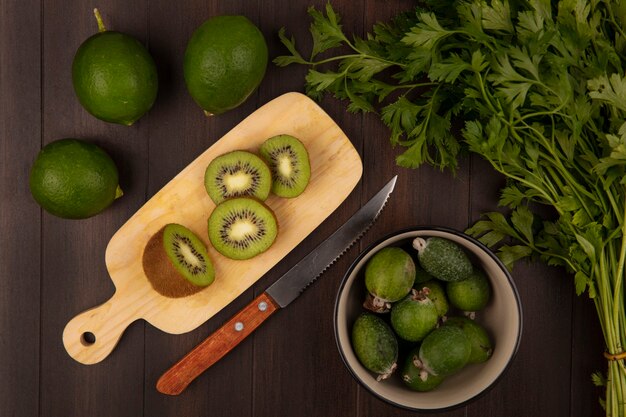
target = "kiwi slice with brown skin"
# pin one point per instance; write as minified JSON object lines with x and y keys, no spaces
{"x":241,"y":228}
{"x":237,"y":174}
{"x":289,"y":162}
{"x":176,"y":262}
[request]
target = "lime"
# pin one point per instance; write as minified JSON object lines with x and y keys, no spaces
{"x":224,"y":62}
{"x":74,"y":179}
{"x":114,"y":76}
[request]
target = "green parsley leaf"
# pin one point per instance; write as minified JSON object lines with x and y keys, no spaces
{"x":325,"y":30}
{"x":290,"y":44}
{"x":611,"y":90}
{"x":427,"y":33}
{"x":448,"y":69}
{"x":497,"y":16}
{"x":511,"y":254}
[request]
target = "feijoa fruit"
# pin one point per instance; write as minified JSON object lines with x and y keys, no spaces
{"x":417,"y":378}
{"x":389,"y":276}
{"x":414,"y":317}
{"x":481,"y":345}
{"x":471,"y":294}
{"x":445,"y":350}
{"x":375,"y":345}
{"x":437,"y":294}
{"x":443,"y":258}
{"x":422,"y":276}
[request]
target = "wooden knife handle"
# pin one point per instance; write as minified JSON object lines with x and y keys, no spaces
{"x":213,"y":348}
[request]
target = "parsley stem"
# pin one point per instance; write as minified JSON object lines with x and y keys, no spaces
{"x":498,"y":167}
{"x":613,"y":22}
{"x":568,"y":263}
{"x":576,"y":188}
{"x":605,"y":299}
{"x":412,"y":86}
{"x":350,"y":56}
{"x":532,"y":117}
{"x":554,"y":112}
{"x":481,"y":84}
{"x":617,"y":291}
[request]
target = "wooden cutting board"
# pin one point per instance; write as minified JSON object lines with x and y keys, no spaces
{"x":335,"y":170}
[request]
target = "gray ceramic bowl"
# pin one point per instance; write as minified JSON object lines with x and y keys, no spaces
{"x":502,"y":318}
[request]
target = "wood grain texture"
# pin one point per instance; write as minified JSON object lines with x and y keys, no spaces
{"x":295,"y":349}
{"x":539,"y":362}
{"x":425,"y":196}
{"x":20,"y":220}
{"x":74,"y":275}
{"x":183,"y":133}
{"x":587,"y":349}
{"x":216,"y":346}
{"x":335,"y":170}
{"x":50,"y":268}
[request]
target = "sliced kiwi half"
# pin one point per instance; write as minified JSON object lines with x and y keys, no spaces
{"x":237,"y":174}
{"x":176,"y":262}
{"x":241,"y":228}
{"x":289,"y":162}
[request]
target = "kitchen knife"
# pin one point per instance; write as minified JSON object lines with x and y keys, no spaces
{"x":280,"y":294}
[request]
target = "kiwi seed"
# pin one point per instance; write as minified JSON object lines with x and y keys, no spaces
{"x":289,"y":163}
{"x":176,"y":262}
{"x":241,"y":228}
{"x":237,"y":174}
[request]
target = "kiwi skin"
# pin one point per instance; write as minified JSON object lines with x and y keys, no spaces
{"x":161,"y":273}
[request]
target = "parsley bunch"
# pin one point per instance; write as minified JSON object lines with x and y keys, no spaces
{"x":540,"y":89}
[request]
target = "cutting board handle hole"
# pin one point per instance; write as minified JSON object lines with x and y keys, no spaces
{"x":88,"y":339}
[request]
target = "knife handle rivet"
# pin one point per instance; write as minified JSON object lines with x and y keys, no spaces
{"x":262,"y":306}
{"x":239,"y":326}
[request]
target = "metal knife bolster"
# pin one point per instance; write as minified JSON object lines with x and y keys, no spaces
{"x":288,"y":287}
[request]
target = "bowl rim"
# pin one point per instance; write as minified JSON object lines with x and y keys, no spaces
{"x":462,"y":235}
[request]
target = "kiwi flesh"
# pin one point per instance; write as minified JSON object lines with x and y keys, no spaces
{"x":176,"y":262}
{"x":289,"y":163}
{"x":237,"y":174}
{"x":241,"y":228}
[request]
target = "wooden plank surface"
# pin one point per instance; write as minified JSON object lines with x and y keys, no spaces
{"x":20,"y":221}
{"x":50,"y":268}
{"x":336,"y":168}
{"x":74,"y":275}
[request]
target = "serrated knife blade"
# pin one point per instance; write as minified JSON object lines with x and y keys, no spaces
{"x":288,"y":287}
{"x":280,"y":294}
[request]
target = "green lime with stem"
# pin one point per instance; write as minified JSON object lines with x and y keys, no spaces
{"x":114,"y":76}
{"x":74,"y":179}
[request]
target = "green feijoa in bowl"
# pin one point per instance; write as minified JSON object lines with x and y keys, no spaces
{"x":480,"y":342}
{"x":436,"y":292}
{"x":375,"y":345}
{"x":442,"y":258}
{"x":445,"y":351}
{"x":471,"y":294}
{"x":389,"y":276}
{"x":417,"y":378}
{"x":414,"y":317}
